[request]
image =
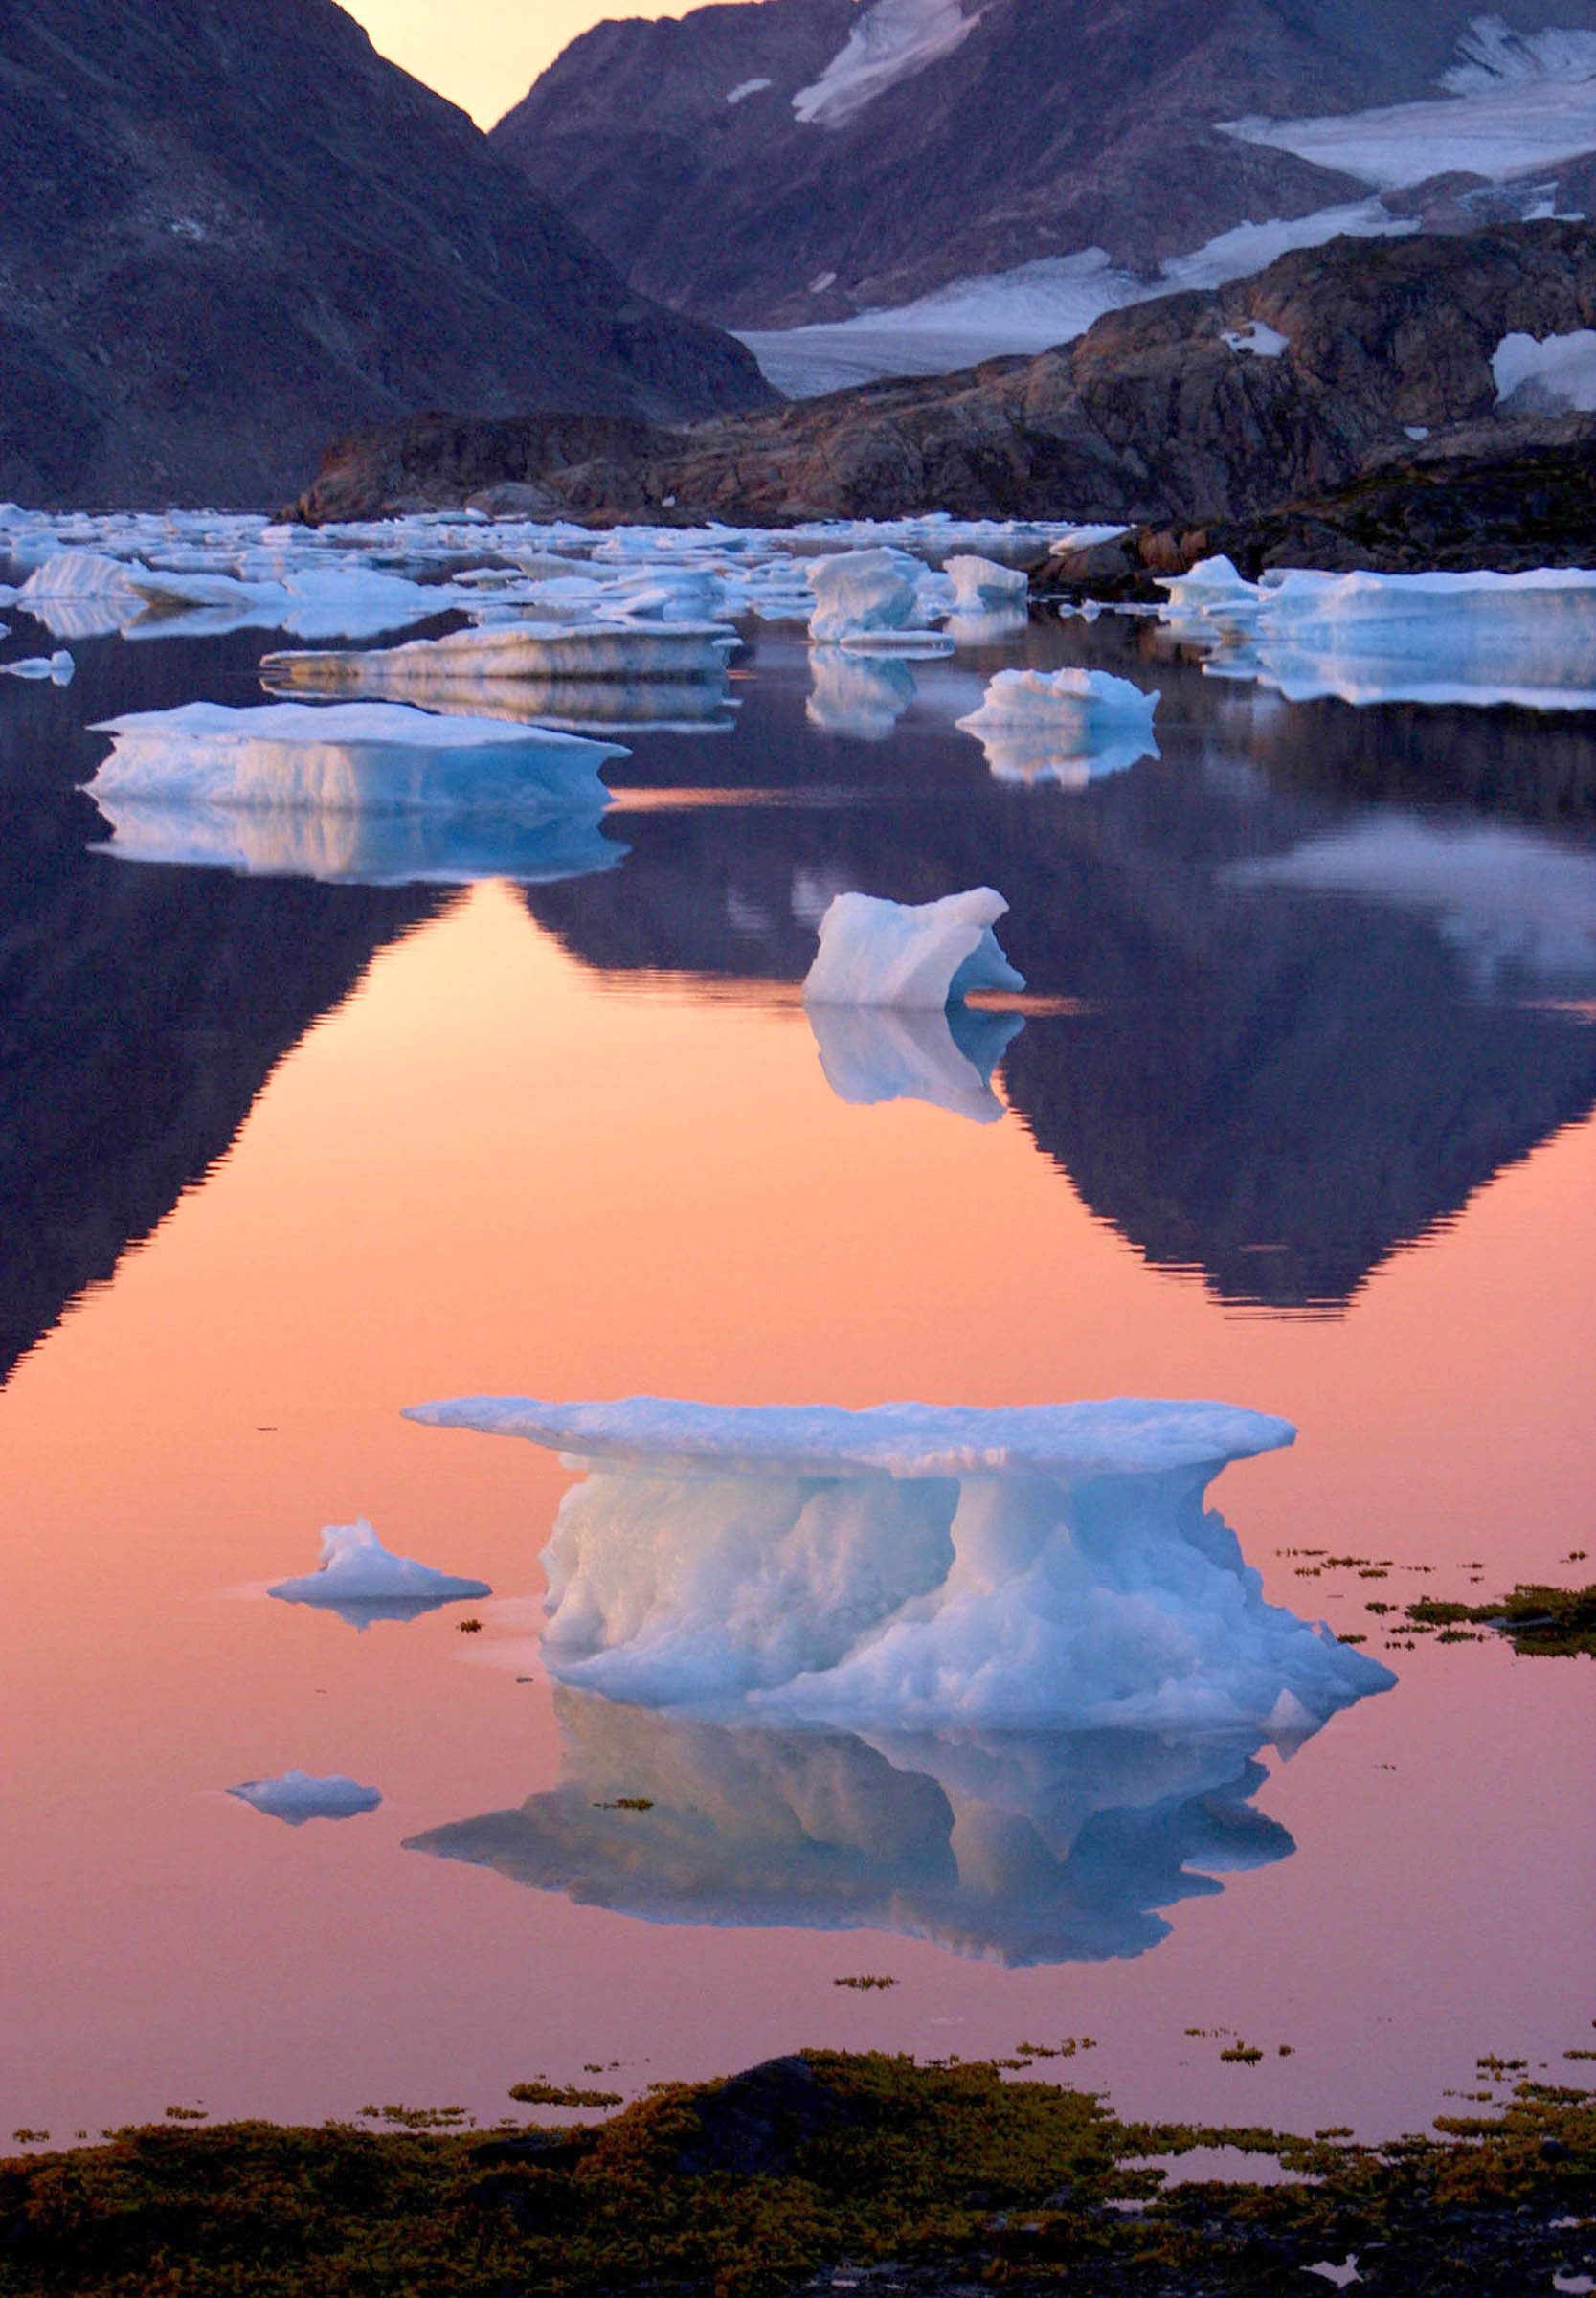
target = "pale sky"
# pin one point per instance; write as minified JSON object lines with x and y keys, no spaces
{"x":485,"y":55}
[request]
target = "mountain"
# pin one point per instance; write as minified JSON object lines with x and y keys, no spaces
{"x":799,"y":161}
{"x":229,"y":229}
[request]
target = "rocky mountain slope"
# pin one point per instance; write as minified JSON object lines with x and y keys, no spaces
{"x":227,"y":228}
{"x":1331,"y":365}
{"x":791,"y":161}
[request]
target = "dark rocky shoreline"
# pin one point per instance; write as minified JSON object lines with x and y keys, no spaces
{"x":1338,"y":407}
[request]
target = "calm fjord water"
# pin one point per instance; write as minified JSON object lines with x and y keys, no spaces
{"x":281,"y":1158}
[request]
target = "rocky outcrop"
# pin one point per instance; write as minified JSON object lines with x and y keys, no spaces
{"x":1040,"y":131}
{"x":229,"y":229}
{"x":1185,"y":413}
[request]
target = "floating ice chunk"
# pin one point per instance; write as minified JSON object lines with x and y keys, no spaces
{"x":518,"y":649}
{"x":1071,"y":724}
{"x":1262,"y":341}
{"x":348,"y":758}
{"x":1025,"y":1848}
{"x":858,"y":591}
{"x":1212,"y":587}
{"x":891,"y":41}
{"x":860,"y":695}
{"x":980,"y":584}
{"x":919,"y":956}
{"x":297,"y":1796}
{"x":873,"y":1053}
{"x":1513,"y":903}
{"x":1548,"y":374}
{"x":57,"y":667}
{"x":362,"y":1580}
{"x":1044,"y":1567}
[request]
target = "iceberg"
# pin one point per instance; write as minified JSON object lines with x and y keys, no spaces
{"x":348,"y":757}
{"x":915,"y":1567}
{"x":515,"y":650}
{"x":1477,"y":639}
{"x":921,"y":956}
{"x":873,"y":1053}
{"x":980,"y":584}
{"x":297,"y":1796}
{"x":1071,"y":724}
{"x":84,"y":593}
{"x":1021,"y":1848}
{"x":362,"y":1580}
{"x":862,"y":592}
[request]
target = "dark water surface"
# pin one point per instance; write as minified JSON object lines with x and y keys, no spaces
{"x":1299,"y":1118}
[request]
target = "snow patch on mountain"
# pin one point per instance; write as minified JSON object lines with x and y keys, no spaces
{"x":892,"y":42}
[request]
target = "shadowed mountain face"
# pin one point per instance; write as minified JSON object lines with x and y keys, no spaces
{"x":1275,"y":1083}
{"x":229,"y":230}
{"x":958,"y":139}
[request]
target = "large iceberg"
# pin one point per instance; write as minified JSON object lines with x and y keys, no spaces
{"x":872,"y":1053}
{"x":348,"y":757}
{"x":917,"y":956}
{"x":362,"y":1580}
{"x":516,"y":650}
{"x":297,"y":1796}
{"x":980,"y":584}
{"x":1481,"y":639}
{"x":919,"y":1567}
{"x":1022,"y":1847}
{"x":1073,"y":725}
{"x":864,"y":593}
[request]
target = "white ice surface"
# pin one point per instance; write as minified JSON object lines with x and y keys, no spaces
{"x":359,"y":1577}
{"x":744,"y":89}
{"x":1519,"y":909}
{"x":981,"y":584}
{"x":1073,"y":725}
{"x":916,"y":956}
{"x":86,"y":594}
{"x":1032,"y":307}
{"x":1479,"y":639}
{"x":1044,"y":1567}
{"x":343,"y":758}
{"x":1551,"y":374}
{"x":58,"y":667}
{"x":514,"y":650}
{"x":297,"y":1796}
{"x":874,"y":1053}
{"x":1517,"y":102}
{"x":891,"y":41}
{"x":1263,"y":341}
{"x":859,"y":591}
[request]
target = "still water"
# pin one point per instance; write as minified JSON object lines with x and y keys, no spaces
{"x":1299,"y":1118}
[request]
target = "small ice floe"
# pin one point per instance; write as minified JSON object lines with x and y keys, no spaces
{"x":345,"y":757}
{"x":1212,"y":591}
{"x":515,"y":650}
{"x":57,"y":667}
{"x":296,"y":1796}
{"x":864,"y":593}
{"x":981,"y":584}
{"x":362,"y":1580}
{"x":1550,"y":374}
{"x":873,"y":1053}
{"x":1074,"y":725}
{"x":919,"y":956}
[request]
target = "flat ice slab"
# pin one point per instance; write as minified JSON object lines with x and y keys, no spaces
{"x":1074,"y":725}
{"x":917,"y":956}
{"x":297,"y":1796}
{"x":348,"y":756}
{"x":1042,"y":1568}
{"x":520,"y":649}
{"x":363,"y":1581}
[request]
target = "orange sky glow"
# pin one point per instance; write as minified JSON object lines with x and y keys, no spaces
{"x":485,"y":55}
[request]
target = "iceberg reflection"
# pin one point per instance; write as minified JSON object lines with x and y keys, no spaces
{"x":1021,"y":1847}
{"x":873,"y":1053}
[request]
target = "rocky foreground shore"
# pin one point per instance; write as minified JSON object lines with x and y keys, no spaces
{"x":1340,"y":407}
{"x":824,"y":2171}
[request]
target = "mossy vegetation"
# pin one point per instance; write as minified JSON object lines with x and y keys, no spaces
{"x":1548,"y":1622}
{"x":761,"y":2185}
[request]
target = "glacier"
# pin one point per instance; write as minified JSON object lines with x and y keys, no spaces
{"x":919,"y":956}
{"x":362,"y":1580}
{"x":1021,"y":1848}
{"x":1074,"y":725}
{"x":296,"y":1796}
{"x":347,"y":757}
{"x":919,"y":1567}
